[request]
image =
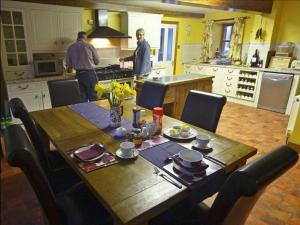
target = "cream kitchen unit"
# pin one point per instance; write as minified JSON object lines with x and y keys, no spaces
{"x":131,"y":21}
{"x":55,"y":28}
{"x":35,"y":94}
{"x":239,"y":85}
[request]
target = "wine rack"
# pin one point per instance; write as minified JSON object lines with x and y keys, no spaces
{"x":246,"y":85}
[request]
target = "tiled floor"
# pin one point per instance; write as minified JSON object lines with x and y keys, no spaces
{"x":280,"y":204}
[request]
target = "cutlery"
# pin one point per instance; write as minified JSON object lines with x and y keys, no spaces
{"x":214,"y":160}
{"x":167,"y":178}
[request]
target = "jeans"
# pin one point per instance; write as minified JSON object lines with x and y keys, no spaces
{"x":87,"y":80}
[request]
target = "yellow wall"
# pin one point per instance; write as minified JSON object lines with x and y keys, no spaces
{"x":288,"y":28}
{"x":114,"y":21}
{"x":295,"y":136}
{"x":195,"y":36}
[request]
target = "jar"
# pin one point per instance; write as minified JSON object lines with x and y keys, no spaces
{"x":137,"y":137}
{"x":158,"y":113}
{"x":136,"y":111}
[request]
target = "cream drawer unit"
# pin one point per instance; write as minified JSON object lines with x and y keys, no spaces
{"x":218,"y":81}
{"x":230,"y":85}
{"x":24,"y":87}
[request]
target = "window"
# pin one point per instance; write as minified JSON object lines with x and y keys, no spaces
{"x":225,"y":40}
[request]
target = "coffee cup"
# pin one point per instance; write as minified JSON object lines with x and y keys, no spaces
{"x":202,"y":140}
{"x":127,"y":148}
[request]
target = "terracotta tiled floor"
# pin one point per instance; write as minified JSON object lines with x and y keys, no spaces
{"x":280,"y":204}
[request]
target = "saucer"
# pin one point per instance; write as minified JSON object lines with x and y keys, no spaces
{"x":196,"y":146}
{"x":134,"y":154}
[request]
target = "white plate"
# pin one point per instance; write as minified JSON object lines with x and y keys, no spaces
{"x":196,"y":146}
{"x":192,"y":134}
{"x":85,"y":149}
{"x":134,"y":154}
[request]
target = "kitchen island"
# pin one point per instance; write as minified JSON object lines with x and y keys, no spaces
{"x":178,"y":89}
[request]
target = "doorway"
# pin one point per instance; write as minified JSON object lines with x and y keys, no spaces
{"x":167,"y":51}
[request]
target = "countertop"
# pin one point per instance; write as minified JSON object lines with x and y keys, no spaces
{"x":39,"y":79}
{"x":288,"y":70}
{"x":178,"y":79}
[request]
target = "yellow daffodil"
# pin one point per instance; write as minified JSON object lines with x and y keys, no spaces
{"x":115,"y":92}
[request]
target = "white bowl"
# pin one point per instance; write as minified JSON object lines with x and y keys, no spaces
{"x":190,"y":156}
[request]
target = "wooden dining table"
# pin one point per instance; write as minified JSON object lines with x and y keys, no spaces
{"x":129,"y":190}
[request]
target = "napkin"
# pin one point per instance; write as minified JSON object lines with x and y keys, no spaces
{"x":94,"y":151}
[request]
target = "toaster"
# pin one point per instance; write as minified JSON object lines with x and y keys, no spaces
{"x":295,"y":65}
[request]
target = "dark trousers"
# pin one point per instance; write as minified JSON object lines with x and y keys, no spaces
{"x":87,"y":80}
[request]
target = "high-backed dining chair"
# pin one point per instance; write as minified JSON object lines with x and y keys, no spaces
{"x":239,"y":193}
{"x":75,"y":206}
{"x":64,"y":92}
{"x":61,"y":176}
{"x":152,"y":95}
{"x":203,"y":109}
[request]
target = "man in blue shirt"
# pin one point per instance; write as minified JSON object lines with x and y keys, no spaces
{"x":141,"y":56}
{"x":83,"y":57}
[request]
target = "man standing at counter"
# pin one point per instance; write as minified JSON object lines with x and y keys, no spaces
{"x":83,"y":57}
{"x":141,"y":56}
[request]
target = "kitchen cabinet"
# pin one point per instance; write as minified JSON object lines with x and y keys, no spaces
{"x":35,"y":95}
{"x":14,"y":47}
{"x":131,"y":21}
{"x":54,"y":30}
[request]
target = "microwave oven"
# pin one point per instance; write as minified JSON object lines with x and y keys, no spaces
{"x":48,"y":67}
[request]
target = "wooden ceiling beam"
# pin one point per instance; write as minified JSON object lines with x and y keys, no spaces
{"x":115,"y":7}
{"x":264,"y":6}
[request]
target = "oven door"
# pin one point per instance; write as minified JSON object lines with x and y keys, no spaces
{"x":47,"y":68}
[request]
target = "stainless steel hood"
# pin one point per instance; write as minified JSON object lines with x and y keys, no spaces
{"x":102,"y":30}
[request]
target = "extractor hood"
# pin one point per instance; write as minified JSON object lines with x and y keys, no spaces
{"x":102,"y":30}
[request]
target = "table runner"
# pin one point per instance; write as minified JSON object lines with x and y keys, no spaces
{"x":99,"y":116}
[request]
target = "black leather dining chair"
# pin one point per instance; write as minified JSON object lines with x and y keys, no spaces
{"x":61,"y":176}
{"x":239,"y":193}
{"x":203,"y":109}
{"x":64,"y":92}
{"x":152,"y":95}
{"x":75,"y":206}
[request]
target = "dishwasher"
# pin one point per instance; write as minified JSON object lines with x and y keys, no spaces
{"x":275,"y":91}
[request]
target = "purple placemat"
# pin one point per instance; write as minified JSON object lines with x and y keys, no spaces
{"x":99,"y":116}
{"x":159,"y":154}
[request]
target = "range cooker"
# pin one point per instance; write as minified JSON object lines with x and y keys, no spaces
{"x":114,"y":72}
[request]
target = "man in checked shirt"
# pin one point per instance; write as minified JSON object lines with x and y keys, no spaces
{"x":83,"y":57}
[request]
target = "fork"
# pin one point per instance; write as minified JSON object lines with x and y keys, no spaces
{"x":167,"y":178}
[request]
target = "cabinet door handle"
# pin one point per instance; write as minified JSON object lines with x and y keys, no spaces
{"x":229,"y":78}
{"x":55,"y":42}
{"x":62,"y":42}
{"x":36,"y":96}
{"x":227,"y":91}
{"x":230,"y":71}
{"x":19,"y":74}
{"x":157,"y":72}
{"x":43,"y":95}
{"x":228,"y":85}
{"x":188,"y":67}
{"x":23,"y":88}
{"x":215,"y":69}
{"x":200,"y":67}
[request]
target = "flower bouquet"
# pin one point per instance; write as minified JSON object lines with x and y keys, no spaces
{"x":115,"y":93}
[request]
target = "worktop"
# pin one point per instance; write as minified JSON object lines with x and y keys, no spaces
{"x":178,"y":89}
{"x":39,"y":79}
{"x":276,"y":70}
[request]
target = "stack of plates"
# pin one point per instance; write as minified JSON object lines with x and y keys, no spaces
{"x":189,"y":162}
